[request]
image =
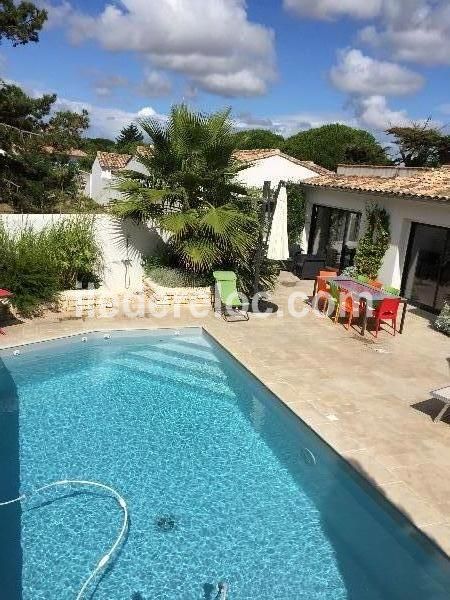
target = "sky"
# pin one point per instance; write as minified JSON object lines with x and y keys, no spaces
{"x":285,"y":65}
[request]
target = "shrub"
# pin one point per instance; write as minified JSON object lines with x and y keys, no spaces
{"x":175,"y":277}
{"x":72,"y":243}
{"x":36,"y":265}
{"x":27,"y":269}
{"x":442,"y":323}
{"x":296,"y":212}
{"x":373,"y":245}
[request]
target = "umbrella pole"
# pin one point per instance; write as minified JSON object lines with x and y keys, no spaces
{"x":260,"y":250}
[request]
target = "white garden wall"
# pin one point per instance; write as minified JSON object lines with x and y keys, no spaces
{"x":123,"y":244}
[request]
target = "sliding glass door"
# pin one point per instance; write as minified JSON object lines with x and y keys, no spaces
{"x":334,"y":235}
{"x":427,"y":269}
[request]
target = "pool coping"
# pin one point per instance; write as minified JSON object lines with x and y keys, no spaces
{"x":376,"y":488}
{"x":222,"y":344}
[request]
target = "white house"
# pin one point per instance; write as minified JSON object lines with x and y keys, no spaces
{"x":104,"y":171}
{"x":274,"y":166}
{"x":418,"y":202}
{"x":263,"y":165}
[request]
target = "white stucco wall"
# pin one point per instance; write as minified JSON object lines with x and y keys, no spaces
{"x":122,"y":261}
{"x":102,"y":181}
{"x":273,"y":169}
{"x":402,"y":212}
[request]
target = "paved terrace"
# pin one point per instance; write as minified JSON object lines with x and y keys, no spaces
{"x":369,"y":400}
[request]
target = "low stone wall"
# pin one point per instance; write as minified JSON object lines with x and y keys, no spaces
{"x":88,"y":303}
{"x":167,"y":296}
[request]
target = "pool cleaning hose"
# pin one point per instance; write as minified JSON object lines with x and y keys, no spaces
{"x":121,"y":502}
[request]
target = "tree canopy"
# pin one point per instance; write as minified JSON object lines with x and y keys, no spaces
{"x":191,"y":190}
{"x":32,"y":178}
{"x":421,"y":145}
{"x":65,"y":129}
{"x":21,"y":22}
{"x":22,"y":111}
{"x":332,"y":144}
{"x":129,"y":138}
{"x":251,"y":139}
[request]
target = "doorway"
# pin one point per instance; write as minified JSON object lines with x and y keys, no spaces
{"x":426,"y":279}
{"x":334,"y":235}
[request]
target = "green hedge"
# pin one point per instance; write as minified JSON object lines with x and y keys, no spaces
{"x":37,"y":265}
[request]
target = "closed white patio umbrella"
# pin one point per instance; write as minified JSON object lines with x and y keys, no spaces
{"x":278,"y":246}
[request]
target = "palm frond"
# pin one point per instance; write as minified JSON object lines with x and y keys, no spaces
{"x":200,"y":255}
{"x":179,"y":223}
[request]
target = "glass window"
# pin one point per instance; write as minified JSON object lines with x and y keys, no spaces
{"x":334,"y":235}
{"x":427,"y":273}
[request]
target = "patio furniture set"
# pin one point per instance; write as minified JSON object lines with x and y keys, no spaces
{"x":349,"y":295}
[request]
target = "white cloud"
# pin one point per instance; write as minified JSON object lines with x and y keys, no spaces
{"x":373,"y":112}
{"x":290,"y":124}
{"x":413,"y":30}
{"x":107,"y":121}
{"x":105,"y":86}
{"x":356,"y":73}
{"x":155,"y":84}
{"x":329,"y":9}
{"x":57,"y":14}
{"x":444,"y":108}
{"x":212,"y":43}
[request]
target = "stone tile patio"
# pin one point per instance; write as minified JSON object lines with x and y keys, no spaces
{"x":368,"y":399}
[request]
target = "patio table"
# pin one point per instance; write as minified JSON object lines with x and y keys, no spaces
{"x":365,"y":293}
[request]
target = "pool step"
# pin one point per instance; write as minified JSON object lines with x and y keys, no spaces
{"x":183,"y":362}
{"x":169,"y":372}
{"x":189,"y":349}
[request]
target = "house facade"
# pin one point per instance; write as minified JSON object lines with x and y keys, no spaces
{"x":274,"y":166}
{"x":261,"y":165}
{"x":104,"y":173}
{"x":418,"y":203}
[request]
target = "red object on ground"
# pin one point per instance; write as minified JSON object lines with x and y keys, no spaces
{"x":386,"y":310}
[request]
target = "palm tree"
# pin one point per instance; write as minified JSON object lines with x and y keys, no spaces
{"x":191,"y":191}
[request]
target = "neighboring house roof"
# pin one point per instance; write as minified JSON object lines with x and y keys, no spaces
{"x":144,"y":150}
{"x":75,"y":152}
{"x":429,"y":183}
{"x":259,"y":154}
{"x":113,"y":161}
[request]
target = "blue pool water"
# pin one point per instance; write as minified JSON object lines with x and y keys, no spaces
{"x":252,"y":496}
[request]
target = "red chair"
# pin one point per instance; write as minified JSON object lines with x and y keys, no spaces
{"x":322,"y":286}
{"x":386,"y":310}
{"x":376,"y":284}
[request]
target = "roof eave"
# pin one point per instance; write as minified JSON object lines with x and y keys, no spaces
{"x":419,"y":198}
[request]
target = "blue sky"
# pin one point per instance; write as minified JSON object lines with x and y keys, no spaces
{"x":282,"y":64}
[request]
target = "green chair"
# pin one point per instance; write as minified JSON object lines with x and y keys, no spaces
{"x":335,"y":294}
{"x":227,"y":297}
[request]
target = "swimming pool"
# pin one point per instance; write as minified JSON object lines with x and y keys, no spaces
{"x":222,"y":482}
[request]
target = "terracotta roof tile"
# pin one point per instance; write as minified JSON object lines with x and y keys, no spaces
{"x":113,"y":161}
{"x":71,"y":152}
{"x":430,"y":183}
{"x":252,"y":155}
{"x":144,"y":150}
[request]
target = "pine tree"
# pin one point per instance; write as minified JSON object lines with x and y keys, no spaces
{"x":20,"y":22}
{"x":129,"y":138}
